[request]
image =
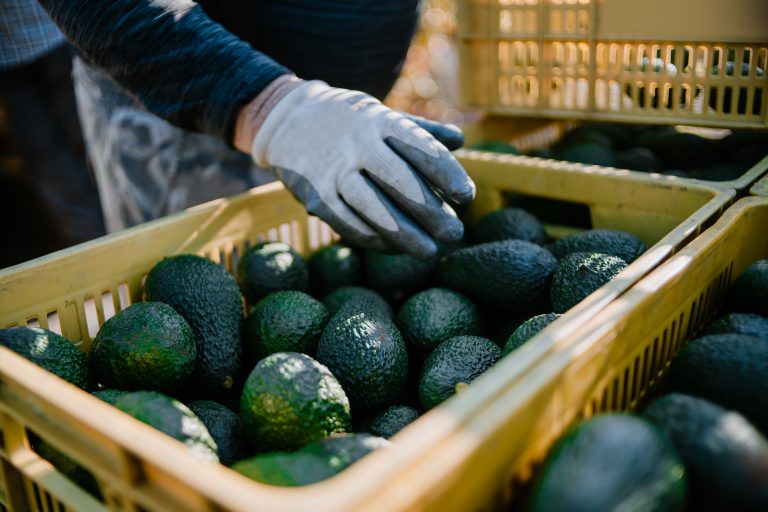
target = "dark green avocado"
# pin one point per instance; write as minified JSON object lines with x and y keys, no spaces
{"x":271,"y":267}
{"x":728,"y":369}
{"x":621,"y":244}
{"x":209,"y":300}
{"x":455,"y":363}
{"x":48,"y":350}
{"x":225,"y":428}
{"x":725,"y":458}
{"x":608,"y":463}
{"x":290,"y":400}
{"x":579,"y":274}
{"x":148,"y":345}
{"x":528,"y":330}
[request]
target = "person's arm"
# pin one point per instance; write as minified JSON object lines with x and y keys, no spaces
{"x":180,"y":64}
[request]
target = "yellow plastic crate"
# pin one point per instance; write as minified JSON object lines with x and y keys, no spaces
{"x":617,"y":360}
{"x":74,"y":290}
{"x":529,"y":134}
{"x":761,"y":187}
{"x":658,"y":61}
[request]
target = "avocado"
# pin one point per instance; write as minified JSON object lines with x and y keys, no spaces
{"x":545,"y":153}
{"x":271,"y":267}
{"x":749,"y":292}
{"x":337,"y":298}
{"x":287,"y":321}
{"x":172,"y":418}
{"x":48,"y":350}
{"x":148,"y":345}
{"x":638,"y":159}
{"x":395,"y":276}
{"x":334,"y":266}
{"x":728,"y":369}
{"x":110,"y":395}
{"x":606,"y":241}
{"x":209,"y":300}
{"x":313,"y":463}
{"x":509,"y":223}
{"x":432,"y":316}
{"x":683,"y":150}
{"x":225,"y":428}
{"x":738,"y":323}
{"x":620,"y":135}
{"x":452,"y":365}
{"x":722,"y":171}
{"x":497,"y":146}
{"x":588,"y":154}
{"x":290,"y":400}
{"x":586,"y":135}
{"x":506,"y":275}
{"x":366,"y":352}
{"x":528,"y":330}
{"x":579,"y":274}
{"x":725,"y":458}
{"x":741,"y":139}
{"x":390,"y":421}
{"x":611,"y":462}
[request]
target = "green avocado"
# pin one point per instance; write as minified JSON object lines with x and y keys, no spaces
{"x":148,"y":345}
{"x":617,"y":243}
{"x":432,"y":316}
{"x":725,"y":458}
{"x":209,"y":299}
{"x":528,"y":330}
{"x":505,"y":275}
{"x":286,"y":321}
{"x":313,"y":463}
{"x":366,"y":352}
{"x":172,"y":418}
{"x":579,"y":274}
{"x":390,"y":421}
{"x":290,"y":400}
{"x":355,"y":294}
{"x":225,"y":428}
{"x":728,"y":369}
{"x":452,"y":365}
{"x":395,"y":276}
{"x":48,"y":350}
{"x":110,"y":395}
{"x":509,"y":223}
{"x":749,"y":292}
{"x":271,"y":267}
{"x":334,"y":266}
{"x":611,"y":462}
{"x":738,"y":323}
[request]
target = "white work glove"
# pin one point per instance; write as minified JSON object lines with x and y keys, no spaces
{"x":371,"y":173}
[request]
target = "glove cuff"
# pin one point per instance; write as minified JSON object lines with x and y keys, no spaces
{"x":253,"y":114}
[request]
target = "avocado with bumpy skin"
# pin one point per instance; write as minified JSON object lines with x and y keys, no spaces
{"x":390,"y":421}
{"x":728,"y":369}
{"x":271,"y":267}
{"x":334,"y":266}
{"x":396,"y":276}
{"x":611,"y":462}
{"x":509,"y":223}
{"x":225,"y":428}
{"x":432,"y":316}
{"x":208,"y":298}
{"x":617,"y":243}
{"x":48,"y":350}
{"x":290,"y":400}
{"x":528,"y":330}
{"x":110,"y":395}
{"x":340,"y":296}
{"x":455,"y":363}
{"x":366,"y":352}
{"x":725,"y":458}
{"x":172,"y":418}
{"x":504,"y":275}
{"x":579,"y":274}
{"x":286,"y":321}
{"x":148,"y":345}
{"x":313,"y":463}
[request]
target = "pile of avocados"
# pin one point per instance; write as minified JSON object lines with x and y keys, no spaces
{"x":701,"y":446}
{"x":658,"y":149}
{"x":332,"y":355}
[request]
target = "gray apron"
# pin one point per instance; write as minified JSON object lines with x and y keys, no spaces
{"x":144,"y":166}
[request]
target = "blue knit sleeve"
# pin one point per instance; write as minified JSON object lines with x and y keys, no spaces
{"x":180,"y":64}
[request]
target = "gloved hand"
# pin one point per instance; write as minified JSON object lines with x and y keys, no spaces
{"x":371,"y":173}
